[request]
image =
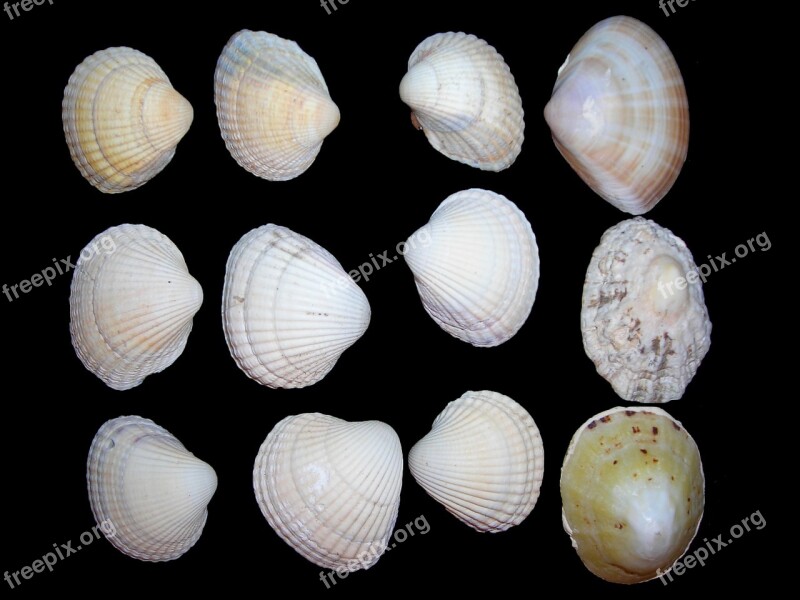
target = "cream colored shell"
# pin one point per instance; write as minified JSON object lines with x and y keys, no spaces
{"x":633,"y":491}
{"x":273,"y":105}
{"x":620,"y":115}
{"x":464,"y":98}
{"x":644,"y":321}
{"x":122,"y":119}
{"x":483,"y":460}
{"x":476,"y":267}
{"x":331,"y":489}
{"x":132,"y":302}
{"x":146,"y":490}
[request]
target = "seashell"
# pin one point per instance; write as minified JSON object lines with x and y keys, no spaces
{"x":644,"y":333}
{"x":147,"y":490}
{"x":289,"y":310}
{"x":273,"y":105}
{"x":132,"y":302}
{"x":476,"y":266}
{"x":632,"y":490}
{"x":331,"y":489}
{"x":463,"y":96}
{"x":122,"y":119}
{"x":483,"y":460}
{"x":619,"y":114}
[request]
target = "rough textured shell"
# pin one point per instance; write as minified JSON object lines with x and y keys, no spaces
{"x":619,"y":114}
{"x":289,"y":310}
{"x":476,"y":266}
{"x":122,"y":119}
{"x":645,"y":331}
{"x":632,"y":490}
{"x":273,"y":106}
{"x":331,"y":489}
{"x":463,"y":96}
{"x":483,"y":460}
{"x":132,"y":302}
{"x":147,"y":491}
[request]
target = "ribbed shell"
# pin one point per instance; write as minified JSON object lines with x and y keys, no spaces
{"x":645,"y":331}
{"x":132,"y":302}
{"x":483,"y":461}
{"x":122,"y":119}
{"x":633,"y":492}
{"x":619,"y":114}
{"x":273,"y":105}
{"x":289,"y":310}
{"x":147,"y":491}
{"x":465,"y":99}
{"x":476,"y":266}
{"x":331,"y":489}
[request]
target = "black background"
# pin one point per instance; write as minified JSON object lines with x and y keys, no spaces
{"x":375,"y":181}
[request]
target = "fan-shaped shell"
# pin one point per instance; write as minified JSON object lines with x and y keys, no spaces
{"x":644,"y":321}
{"x":476,"y":266}
{"x":273,"y":105}
{"x":132,"y":302}
{"x":464,"y":97}
{"x":289,"y":310}
{"x":331,"y":489}
{"x":633,"y":490}
{"x":619,"y":114}
{"x":149,"y":492}
{"x":122,"y":119}
{"x":483,"y":460}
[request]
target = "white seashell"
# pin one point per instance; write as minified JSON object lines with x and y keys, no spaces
{"x":331,"y":489}
{"x":463,"y":96}
{"x":149,"y":491}
{"x":289,"y":310}
{"x":619,"y":114}
{"x":132,"y":302}
{"x":476,"y":266}
{"x":273,"y":105}
{"x":645,"y":335}
{"x":483,"y":461}
{"x":632,"y":492}
{"x":122,"y":119}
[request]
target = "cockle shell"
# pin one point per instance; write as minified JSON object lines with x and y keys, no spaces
{"x":289,"y":310}
{"x":132,"y":302}
{"x":148,"y":489}
{"x":273,"y":105}
{"x":122,"y":119}
{"x":619,"y":114}
{"x":644,"y":321}
{"x":632,"y":490}
{"x":476,"y":266}
{"x":331,"y":489}
{"x":464,"y":97}
{"x":483,"y":460}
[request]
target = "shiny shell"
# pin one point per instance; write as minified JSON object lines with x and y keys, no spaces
{"x":122,"y":119}
{"x":464,"y":98}
{"x":619,"y":114}
{"x":289,"y":310}
{"x":644,"y":321}
{"x":273,"y":105}
{"x":483,"y":460}
{"x":146,"y":490}
{"x":476,"y":266}
{"x":331,"y":489}
{"x":132,"y":302}
{"x":632,"y":490}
